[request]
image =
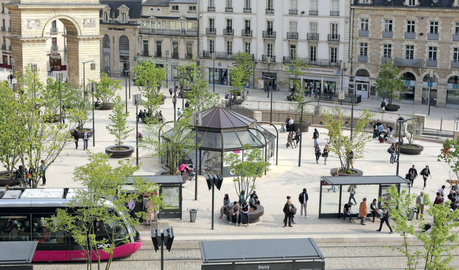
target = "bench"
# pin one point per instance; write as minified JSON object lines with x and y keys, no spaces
{"x":256,"y":211}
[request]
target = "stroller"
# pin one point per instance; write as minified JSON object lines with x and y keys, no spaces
{"x":382,"y":137}
{"x":282,"y":129}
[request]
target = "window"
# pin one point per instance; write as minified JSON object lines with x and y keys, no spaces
{"x":192,"y":8}
{"x":335,"y":6}
{"x":229,"y":3}
{"x":172,"y":25}
{"x":189,"y":48}
{"x":314,"y":5}
{"x":269,"y":4}
{"x":456,"y":28}
{"x":333,"y":55}
{"x":313,"y":53}
{"x":212,"y":46}
{"x":123,"y":17}
{"x":211,"y":23}
{"x":313,"y":27}
{"x":44,"y":235}
{"x":229,"y":47}
{"x":409,"y":52}
{"x":247,"y":4}
{"x":293,"y":26}
{"x":411,"y":3}
{"x":247,"y":47}
{"x":211,"y":3}
{"x":175,"y":8}
{"x":294,"y":4}
{"x":54,"y":41}
{"x":334,"y":29}
{"x":247,"y":25}
{"x":269,"y":26}
{"x":433,"y":27}
{"x":387,"y":51}
{"x":14,"y":228}
{"x":269,"y":49}
{"x":456,"y":54}
{"x":158,"y":48}
{"x":293,"y":52}
{"x":363,"y":49}
{"x":364,"y":24}
{"x":106,"y":16}
{"x":388,"y":25}
{"x":410,"y":26}
{"x":229,"y":24}
{"x":433,"y":53}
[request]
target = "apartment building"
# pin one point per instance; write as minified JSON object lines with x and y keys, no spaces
{"x":421,"y":37}
{"x":273,"y":32}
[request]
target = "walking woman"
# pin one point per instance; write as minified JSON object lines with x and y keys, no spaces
{"x":317,"y":151}
{"x":325,"y":154}
{"x":374,"y":209}
{"x":425,"y":174}
{"x":290,"y":140}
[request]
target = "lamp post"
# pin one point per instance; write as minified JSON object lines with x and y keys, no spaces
{"x":167,"y":70}
{"x":34,"y":70}
{"x":163,"y":239}
{"x":268,"y":61}
{"x":400,"y":121}
{"x":129,"y":77}
{"x":342,"y":78}
{"x":137,"y":101}
{"x":430,"y":91}
{"x":253,"y":75}
{"x":13,"y":64}
{"x":301,"y":130}
{"x":59,"y":79}
{"x":93,"y":88}
{"x":126,"y":88}
{"x":174,"y":101}
{"x":197,"y":122}
{"x":212,"y":181}
{"x":352,"y":110}
{"x":213,"y":72}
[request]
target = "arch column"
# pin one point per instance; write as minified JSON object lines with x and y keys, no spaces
{"x":30,"y":51}
{"x":83,"y":49}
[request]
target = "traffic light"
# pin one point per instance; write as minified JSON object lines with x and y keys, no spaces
{"x":168,"y":238}
{"x":156,"y":238}
{"x":218,"y":180}
{"x":209,"y":180}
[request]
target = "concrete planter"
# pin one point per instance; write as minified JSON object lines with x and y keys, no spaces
{"x":105,"y":107}
{"x":124,"y":151}
{"x":297,"y":125}
{"x":356,"y":172}
{"x":414,"y":149}
{"x":8,"y":180}
{"x":392,"y":107}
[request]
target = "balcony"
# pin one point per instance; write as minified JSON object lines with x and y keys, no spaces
{"x":363,"y":33}
{"x":313,"y":12}
{"x":264,"y":58}
{"x":228,"y":32}
{"x":211,"y":31}
{"x":269,"y":11}
{"x":4,"y":47}
{"x":313,"y":36}
{"x":211,"y":9}
{"x":54,"y":30}
{"x":431,"y":63}
{"x":292,"y":35}
{"x":385,"y":59}
{"x":54,"y":48}
{"x":454,"y":64}
{"x":246,"y":32}
{"x":3,"y":28}
{"x":387,"y":34}
{"x":456,"y":37}
{"x":175,"y":55}
{"x":220,"y":55}
{"x":228,"y":9}
{"x":158,"y":54}
{"x":334,"y":13}
{"x":410,"y":35}
{"x":247,"y":10}
{"x":293,"y":11}
{"x":145,"y":53}
{"x":363,"y":58}
{"x":333,"y":37}
{"x":188,"y":56}
{"x":169,"y":32}
{"x":313,"y":62}
{"x":403,"y":62}
{"x":432,"y":36}
{"x":269,"y":34}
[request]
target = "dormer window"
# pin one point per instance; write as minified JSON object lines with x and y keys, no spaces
{"x":106,"y":16}
{"x":123,"y":17}
{"x":175,"y":8}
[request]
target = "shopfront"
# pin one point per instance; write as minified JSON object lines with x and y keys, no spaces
{"x":429,"y":89}
{"x":452,"y":92}
{"x":409,"y":87}
{"x":218,"y":75}
{"x":362,"y":83}
{"x":323,"y":81}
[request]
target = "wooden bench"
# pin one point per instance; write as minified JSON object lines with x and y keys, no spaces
{"x":256,"y":211}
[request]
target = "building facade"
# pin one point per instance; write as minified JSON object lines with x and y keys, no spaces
{"x":273,"y":32}
{"x":421,"y":37}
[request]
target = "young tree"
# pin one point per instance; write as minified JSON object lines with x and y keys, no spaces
{"x":118,"y":119}
{"x":53,"y":96}
{"x":79,"y":106}
{"x":450,"y":156}
{"x":90,"y":213}
{"x":246,"y":170}
{"x":295,"y":69}
{"x":341,"y":144}
{"x":245,"y":63}
{"x":237,"y":75}
{"x":106,"y":88}
{"x":388,"y":84}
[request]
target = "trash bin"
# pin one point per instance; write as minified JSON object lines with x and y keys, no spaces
{"x":193,"y":213}
{"x":411,"y":215}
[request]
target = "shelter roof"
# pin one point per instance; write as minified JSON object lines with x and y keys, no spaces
{"x":365,"y":180}
{"x":222,"y":118}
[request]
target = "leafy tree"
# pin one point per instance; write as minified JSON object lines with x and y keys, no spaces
{"x":295,"y":69}
{"x":341,"y":144}
{"x":388,"y":83}
{"x":237,"y":75}
{"x":89,"y":212}
{"x":118,"y":119}
{"x":450,"y":156}
{"x":79,"y":106}
{"x":246,"y":170}
{"x":106,"y":88}
{"x":53,"y":97}
{"x":245,"y":63}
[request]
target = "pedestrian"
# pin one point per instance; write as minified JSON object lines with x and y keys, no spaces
{"x":76,"y":137}
{"x":179,"y":112}
{"x":315,"y":136}
{"x":290,"y":140}
{"x":442,"y":191}
{"x":149,"y":207}
{"x":170,"y":91}
{"x":245,"y":209}
{"x":292,"y":134}
{"x":351,"y":191}
{"x":347,"y":211}
{"x":383,"y":105}
{"x":289,"y":211}
{"x":303,"y":198}
{"x":350,"y":158}
{"x":43,"y":172}
{"x":390,"y":130}
{"x":297,"y":136}
{"x":391,"y":151}
{"x":412,"y":174}
{"x":439,"y":199}
{"x":85,"y":139}
{"x":226,"y":205}
{"x":287,"y":123}
{"x":317,"y":152}
{"x":235,"y":209}
{"x":374,"y":209}
{"x":63,"y":116}
{"x":290,"y":123}
{"x":325,"y":154}
{"x":385,"y":218}
{"x":425,"y":174}
{"x":363,"y":211}
{"x":420,"y":205}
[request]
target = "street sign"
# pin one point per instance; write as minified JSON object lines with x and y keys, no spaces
{"x":15,"y":81}
{"x":341,"y":95}
{"x":137,"y":99}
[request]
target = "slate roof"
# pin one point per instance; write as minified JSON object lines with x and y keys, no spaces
{"x":135,"y":7}
{"x":222,"y":118}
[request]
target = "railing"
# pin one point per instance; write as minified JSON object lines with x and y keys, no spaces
{"x":313,"y":36}
{"x":246,"y":32}
{"x":313,"y":12}
{"x":399,"y":61}
{"x":455,"y":37}
{"x":293,"y":11}
{"x":158,"y":54}
{"x":333,"y":37}
{"x":54,"y":30}
{"x":247,"y":10}
{"x":169,"y":32}
{"x":292,"y":35}
{"x":432,"y":36}
{"x":54,"y":48}
{"x":363,"y":58}
{"x":264,"y":58}
{"x":269,"y":34}
{"x":175,"y":55}
{"x":410,"y":35}
{"x":212,"y":9}
{"x":228,"y":31}
{"x":334,"y":13}
{"x":218,"y":55}
{"x":3,"y":28}
{"x":228,"y":9}
{"x":4,"y":47}
{"x":387,"y":34}
{"x":385,"y":59}
{"x":313,"y":62}
{"x":211,"y":31}
{"x":363,"y":33}
{"x":188,"y":56}
{"x":431,"y":63}
{"x":454,"y":64}
{"x":269,"y":11}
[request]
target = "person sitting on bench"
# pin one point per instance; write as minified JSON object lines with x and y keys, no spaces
{"x":235,"y":212}
{"x":254,"y":198}
{"x":244,"y":211}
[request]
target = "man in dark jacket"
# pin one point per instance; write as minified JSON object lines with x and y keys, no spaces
{"x":413,"y":173}
{"x":385,"y":218}
{"x":289,"y":211}
{"x":303,"y":199}
{"x":76,"y":137}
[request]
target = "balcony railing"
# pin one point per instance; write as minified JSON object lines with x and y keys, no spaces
{"x":313,"y":36}
{"x":246,"y":32}
{"x":264,"y":58}
{"x":188,"y":56}
{"x":228,"y":31}
{"x":211,"y":31}
{"x":454,"y":64}
{"x":54,"y":30}
{"x":410,"y":35}
{"x":175,"y":55}
{"x":292,"y":35}
{"x":387,"y":34}
{"x":158,"y":54}
{"x":220,"y":55}
{"x":431,"y":63}
{"x":314,"y":62}
{"x":228,"y":9}
{"x":3,"y":28}
{"x":456,"y":37}
{"x":247,"y":10}
{"x":403,"y":62}
{"x":363,"y":58}
{"x":293,"y":11}
{"x":363,"y":33}
{"x":9,"y":29}
{"x":211,"y":9}
{"x":334,"y":13}
{"x":145,"y":53}
{"x":269,"y":11}
{"x":54,"y":48}
{"x":269,"y":34}
{"x":9,"y":47}
{"x":4,"y":47}
{"x":313,"y":12}
{"x":432,"y":36}
{"x":385,"y":59}
{"x":333,"y":37}
{"x":169,"y":32}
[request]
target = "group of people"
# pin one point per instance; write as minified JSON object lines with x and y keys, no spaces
{"x":289,"y":123}
{"x":290,"y":209}
{"x":29,"y":175}
{"x":413,"y":174}
{"x":144,"y":114}
{"x":382,"y":133}
{"x":363,"y":211}
{"x":76,"y":137}
{"x":240,"y":208}
{"x":293,"y":139}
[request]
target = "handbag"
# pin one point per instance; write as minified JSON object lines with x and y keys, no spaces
{"x":323,"y":154}
{"x":408,"y":176}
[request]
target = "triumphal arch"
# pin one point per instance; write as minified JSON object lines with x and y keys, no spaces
{"x":30,"y":28}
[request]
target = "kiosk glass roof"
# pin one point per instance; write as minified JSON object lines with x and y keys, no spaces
{"x":365,"y":180}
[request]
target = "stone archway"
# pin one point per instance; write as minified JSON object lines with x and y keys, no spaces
{"x":30,"y":20}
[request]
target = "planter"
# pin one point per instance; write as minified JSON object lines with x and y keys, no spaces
{"x":355,"y":172}
{"x":81,"y":132}
{"x":238,"y":101}
{"x":52,"y":119}
{"x":413,"y":149}
{"x":8,"y":180}
{"x":105,"y":107}
{"x":392,"y":107}
{"x":297,"y":125}
{"x":124,"y":151}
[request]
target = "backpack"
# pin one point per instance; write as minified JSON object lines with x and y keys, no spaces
{"x":389,"y":150}
{"x":293,"y":209}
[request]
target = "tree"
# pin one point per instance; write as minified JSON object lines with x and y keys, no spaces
{"x":388,"y":84}
{"x":53,"y":96}
{"x":237,"y":75}
{"x":450,"y":156}
{"x":90,"y":214}
{"x":106,"y":88}
{"x":246,"y":170}
{"x":341,"y":144}
{"x":79,"y":106}
{"x":246,"y":65}
{"x":295,"y":69}
{"x":118,"y":119}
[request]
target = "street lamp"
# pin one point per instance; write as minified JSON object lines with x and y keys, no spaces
{"x":93,"y":88}
{"x":13,"y":64}
{"x":352,"y":109}
{"x":301,"y":130}
{"x":430,"y":90}
{"x":126,"y":87}
{"x":167,"y":70}
{"x":400,"y":121}
{"x":137,"y":101}
{"x":197,"y":123}
{"x":163,"y":239}
{"x":59,"y":79}
{"x":212,"y":181}
{"x":34,"y":70}
{"x":268,"y":61}
{"x":342,"y":78}
{"x":213,"y":72}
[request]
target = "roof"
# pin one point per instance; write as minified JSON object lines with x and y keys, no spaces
{"x":135,"y":7}
{"x":246,"y":251}
{"x":365,"y":180}
{"x":222,"y":118}
{"x":401,"y":3}
{"x":16,"y":252}
{"x":157,"y":3}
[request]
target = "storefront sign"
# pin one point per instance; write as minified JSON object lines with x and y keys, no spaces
{"x":362,"y":79}
{"x":429,"y":84}
{"x":452,"y":86}
{"x":320,"y":70}
{"x":409,"y":83}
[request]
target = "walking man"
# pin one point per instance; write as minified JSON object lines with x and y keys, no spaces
{"x":76,"y":137}
{"x":385,"y":219}
{"x":352,"y":193}
{"x":420,"y":205}
{"x":43,"y":172}
{"x":413,"y":173}
{"x":383,"y":105}
{"x":303,"y":198}
{"x":85,"y":139}
{"x":425,"y":174}
{"x":363,"y":211}
{"x":315,"y":136}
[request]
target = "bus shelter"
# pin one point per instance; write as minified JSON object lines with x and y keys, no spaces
{"x":17,"y":254}
{"x":334,"y":191}
{"x":254,"y":254}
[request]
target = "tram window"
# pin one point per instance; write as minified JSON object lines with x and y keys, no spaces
{"x":14,"y":228}
{"x":45,"y":235}
{"x":110,"y":229}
